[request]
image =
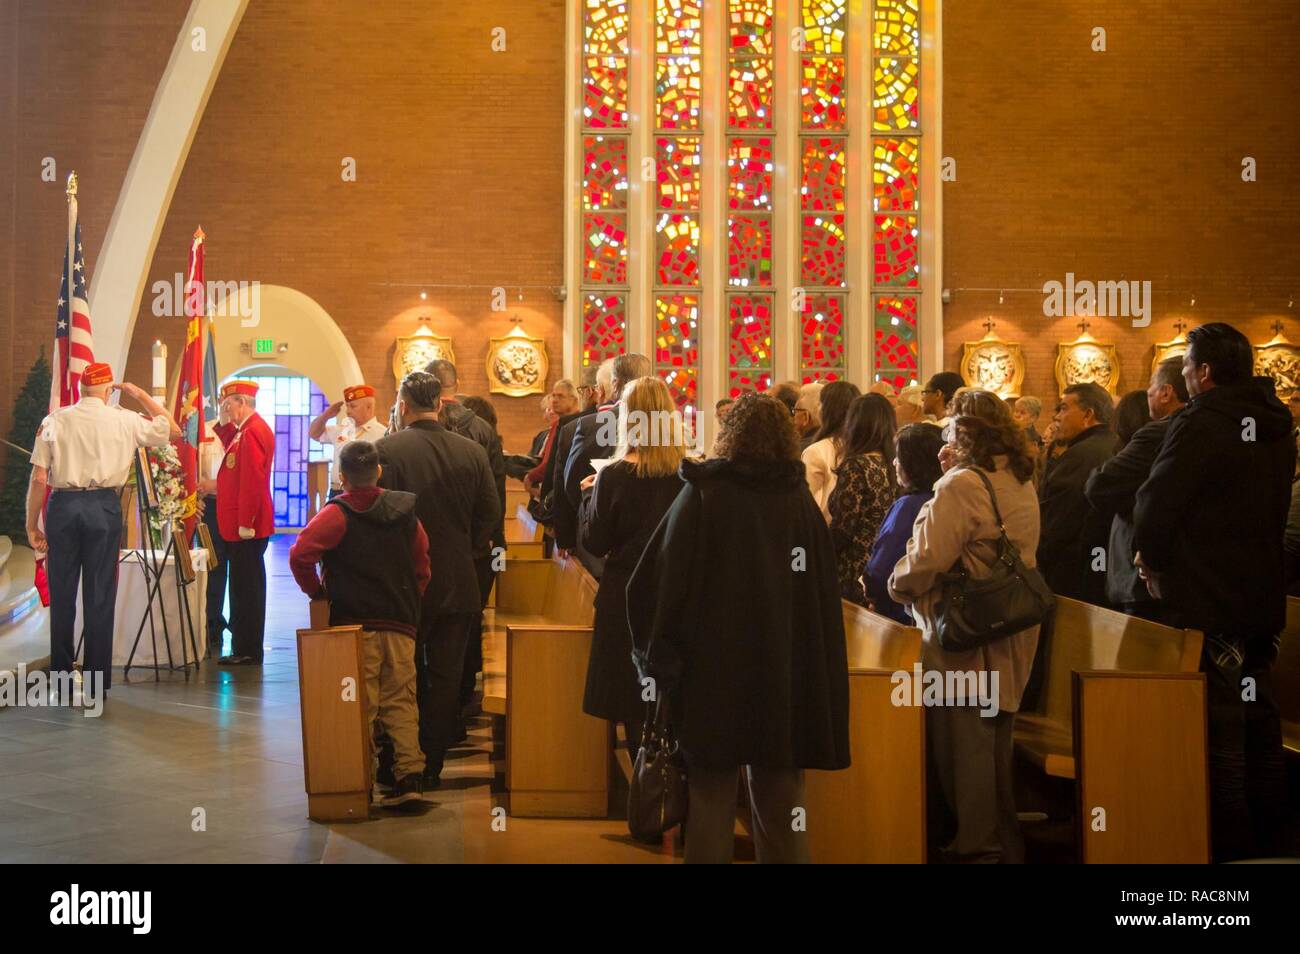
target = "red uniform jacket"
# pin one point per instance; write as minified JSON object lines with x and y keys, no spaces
{"x":244,"y":489}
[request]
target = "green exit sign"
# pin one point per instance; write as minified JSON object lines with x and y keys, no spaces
{"x":263,"y":346}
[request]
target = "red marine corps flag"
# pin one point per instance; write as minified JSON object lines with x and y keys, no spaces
{"x":188,"y":410}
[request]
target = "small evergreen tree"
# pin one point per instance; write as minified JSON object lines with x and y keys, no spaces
{"x":30,"y":408}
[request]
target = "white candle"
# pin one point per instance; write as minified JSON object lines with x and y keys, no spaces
{"x":159,"y":368}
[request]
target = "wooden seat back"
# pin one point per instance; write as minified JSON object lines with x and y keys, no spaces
{"x":1286,"y":677}
{"x":873,"y":811}
{"x":1093,"y":638}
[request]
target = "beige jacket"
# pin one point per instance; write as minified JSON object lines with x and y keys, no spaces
{"x":820,"y":461}
{"x":959,"y":522}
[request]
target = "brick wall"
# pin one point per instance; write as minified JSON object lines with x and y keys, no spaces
{"x":459,"y":157}
{"x":1120,"y":165}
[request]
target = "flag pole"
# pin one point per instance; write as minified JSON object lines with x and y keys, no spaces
{"x":71,"y":192}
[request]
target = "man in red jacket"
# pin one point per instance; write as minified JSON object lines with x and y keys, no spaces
{"x":245,"y":516}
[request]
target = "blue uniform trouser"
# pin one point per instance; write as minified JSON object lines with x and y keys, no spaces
{"x":84,"y":529}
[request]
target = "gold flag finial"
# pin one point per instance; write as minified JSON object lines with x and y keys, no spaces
{"x":72,"y":184}
{"x":199,"y":234}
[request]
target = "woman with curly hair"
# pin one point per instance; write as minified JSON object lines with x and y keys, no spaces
{"x":969,"y":749}
{"x":735,"y":611}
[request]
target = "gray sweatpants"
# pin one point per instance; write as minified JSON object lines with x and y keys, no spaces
{"x":972,"y":756}
{"x":711,"y":815}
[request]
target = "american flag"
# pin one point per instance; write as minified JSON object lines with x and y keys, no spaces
{"x":74,"y":348}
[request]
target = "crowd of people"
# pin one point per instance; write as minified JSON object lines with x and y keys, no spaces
{"x":721,"y":571}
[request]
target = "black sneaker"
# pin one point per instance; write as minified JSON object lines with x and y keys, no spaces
{"x":384,"y":776}
{"x":407,"y":789}
{"x":432,"y":778}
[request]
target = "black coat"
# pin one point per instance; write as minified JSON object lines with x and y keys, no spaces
{"x":1210,"y":519}
{"x":1072,"y":531}
{"x":564,"y":513}
{"x":1112,"y":491}
{"x":735,"y":610}
{"x":456,"y":501}
{"x":595,"y":436}
{"x":459,"y":419}
{"x":618,"y":517}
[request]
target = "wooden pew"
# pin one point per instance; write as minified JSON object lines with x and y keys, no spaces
{"x":523,"y":536}
{"x":1123,"y":715}
{"x":537,"y":641}
{"x":335,"y":744}
{"x":874,"y":811}
{"x":1286,"y":678}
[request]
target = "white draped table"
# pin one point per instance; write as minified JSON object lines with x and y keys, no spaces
{"x":133,"y":580}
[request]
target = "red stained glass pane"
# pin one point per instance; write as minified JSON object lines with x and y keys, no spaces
{"x":604,"y":248}
{"x":749,"y":27}
{"x":823,"y":175}
{"x":604,"y":172}
{"x":604,"y":320}
{"x":604,"y":27}
{"x":749,"y":174}
{"x":749,"y":250}
{"x":821,"y":94}
{"x":821,"y":338}
{"x":897,"y":251}
{"x":822,"y":254}
{"x":677,"y":92}
{"x":677,"y":167}
{"x":677,"y":353}
{"x":750,"y":347}
{"x":750,"y":94}
{"x":895,"y":324}
{"x":677,"y":249}
{"x":604,"y":93}
{"x":894,"y":173}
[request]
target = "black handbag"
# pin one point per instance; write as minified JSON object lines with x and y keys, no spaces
{"x":972,"y":613}
{"x":657,"y":795}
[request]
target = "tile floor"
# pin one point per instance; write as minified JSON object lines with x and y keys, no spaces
{"x":226,"y":748}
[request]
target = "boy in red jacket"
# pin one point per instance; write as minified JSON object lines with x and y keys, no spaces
{"x":376,"y":559}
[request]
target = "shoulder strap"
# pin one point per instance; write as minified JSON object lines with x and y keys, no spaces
{"x":996,"y":512}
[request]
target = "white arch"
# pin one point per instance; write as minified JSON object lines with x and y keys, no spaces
{"x":317,"y":348}
{"x":122,"y":267}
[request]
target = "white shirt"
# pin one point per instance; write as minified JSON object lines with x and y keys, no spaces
{"x":343,"y":435}
{"x":820,"y":461}
{"x":89,"y":444}
{"x":211,"y":452}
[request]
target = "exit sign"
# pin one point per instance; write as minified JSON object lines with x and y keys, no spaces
{"x":263,"y":346}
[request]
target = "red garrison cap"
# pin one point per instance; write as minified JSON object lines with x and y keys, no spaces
{"x":246,"y":388}
{"x":97,"y":373}
{"x":358,"y":391}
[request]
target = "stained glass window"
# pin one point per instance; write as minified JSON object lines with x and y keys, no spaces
{"x":604,"y":178}
{"x":823,"y":175}
{"x":604,"y":327}
{"x":822,"y":94}
{"x":894,"y":352}
{"x":749,"y":352}
{"x":823,"y":253}
{"x":750,"y":167}
{"x":822,"y":355}
{"x":677,"y":197}
{"x":288,"y":404}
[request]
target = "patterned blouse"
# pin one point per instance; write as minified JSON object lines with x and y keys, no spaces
{"x":858,"y":505}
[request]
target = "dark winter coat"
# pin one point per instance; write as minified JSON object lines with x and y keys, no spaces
{"x":1210,"y":519}
{"x":1072,"y":532}
{"x":735,"y":611}
{"x":618,"y":517}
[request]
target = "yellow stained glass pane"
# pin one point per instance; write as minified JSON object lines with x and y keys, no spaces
{"x":677,"y":169}
{"x":896,"y":28}
{"x":749,"y":27}
{"x":896,"y":95}
{"x":821,"y":93}
{"x":824,"y":23}
{"x":677,"y":27}
{"x":677,"y":92}
{"x":895,"y":163}
{"x":604,"y":27}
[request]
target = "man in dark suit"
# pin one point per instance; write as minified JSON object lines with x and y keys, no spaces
{"x":1112,"y":489}
{"x":456,"y":501}
{"x":594,"y":391}
{"x":596,"y":436}
{"x":1074,"y":537}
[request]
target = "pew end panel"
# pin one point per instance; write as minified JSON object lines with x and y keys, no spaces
{"x":1140,"y":745}
{"x":1286,"y":678}
{"x":557,"y":756}
{"x":873,"y":811}
{"x":335,"y":744}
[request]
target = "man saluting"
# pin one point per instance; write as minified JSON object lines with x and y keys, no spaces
{"x":83,"y":454}
{"x":245,"y":516}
